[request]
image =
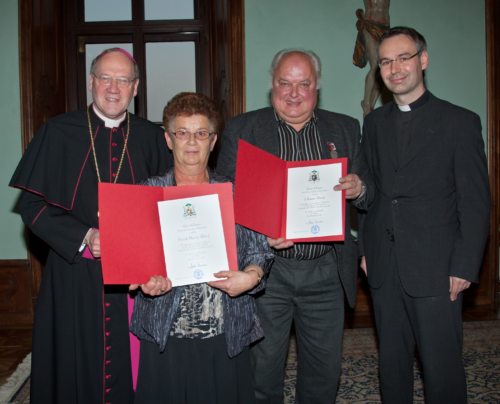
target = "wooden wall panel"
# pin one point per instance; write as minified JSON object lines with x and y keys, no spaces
{"x":16,"y":308}
{"x":490,"y":278}
{"x":43,"y":88}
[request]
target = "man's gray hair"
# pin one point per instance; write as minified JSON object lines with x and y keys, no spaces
{"x":314,"y":59}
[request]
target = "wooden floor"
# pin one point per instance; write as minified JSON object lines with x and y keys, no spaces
{"x":15,"y":344}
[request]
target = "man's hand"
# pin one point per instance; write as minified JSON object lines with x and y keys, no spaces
{"x":352,"y":185}
{"x":279,"y":243}
{"x":93,"y":242}
{"x":362,"y":264}
{"x":457,"y":285}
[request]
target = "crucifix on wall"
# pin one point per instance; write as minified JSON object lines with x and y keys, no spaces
{"x":372,"y":22}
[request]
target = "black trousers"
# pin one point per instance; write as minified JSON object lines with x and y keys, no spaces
{"x":430,"y":325}
{"x":193,"y":371}
{"x":310,"y":294}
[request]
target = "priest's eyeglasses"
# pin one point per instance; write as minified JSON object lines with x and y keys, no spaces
{"x":183,"y":134}
{"x":121,"y":82}
{"x":400,"y":60}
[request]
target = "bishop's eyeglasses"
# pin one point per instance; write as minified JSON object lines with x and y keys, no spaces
{"x":121,"y":82}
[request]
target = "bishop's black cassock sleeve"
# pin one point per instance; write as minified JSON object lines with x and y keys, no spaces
{"x":56,"y":226}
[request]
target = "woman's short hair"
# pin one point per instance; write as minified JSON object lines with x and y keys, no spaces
{"x":187,"y":104}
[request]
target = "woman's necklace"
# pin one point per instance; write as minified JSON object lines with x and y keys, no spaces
{"x":91,"y":133}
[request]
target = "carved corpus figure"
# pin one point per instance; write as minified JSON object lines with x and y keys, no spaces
{"x":371,"y":24}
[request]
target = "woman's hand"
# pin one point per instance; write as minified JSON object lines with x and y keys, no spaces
{"x":237,"y":282}
{"x":156,"y":286}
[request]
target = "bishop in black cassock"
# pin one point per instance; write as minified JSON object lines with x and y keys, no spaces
{"x":81,"y":340}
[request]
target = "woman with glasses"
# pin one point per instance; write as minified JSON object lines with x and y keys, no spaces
{"x":195,"y":338}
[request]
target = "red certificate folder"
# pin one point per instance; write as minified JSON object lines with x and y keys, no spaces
{"x":130,"y":234}
{"x":261,"y":191}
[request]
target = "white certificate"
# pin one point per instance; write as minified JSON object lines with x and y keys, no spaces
{"x":193,"y":239}
{"x":314,"y":208}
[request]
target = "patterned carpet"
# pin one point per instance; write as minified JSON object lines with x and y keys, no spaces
{"x":359,"y":382}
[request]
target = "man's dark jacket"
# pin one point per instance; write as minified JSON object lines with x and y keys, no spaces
{"x":260,"y":128}
{"x":431,"y":205}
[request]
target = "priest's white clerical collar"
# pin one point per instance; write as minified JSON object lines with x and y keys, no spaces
{"x":413,"y":106}
{"x":109,"y":123}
